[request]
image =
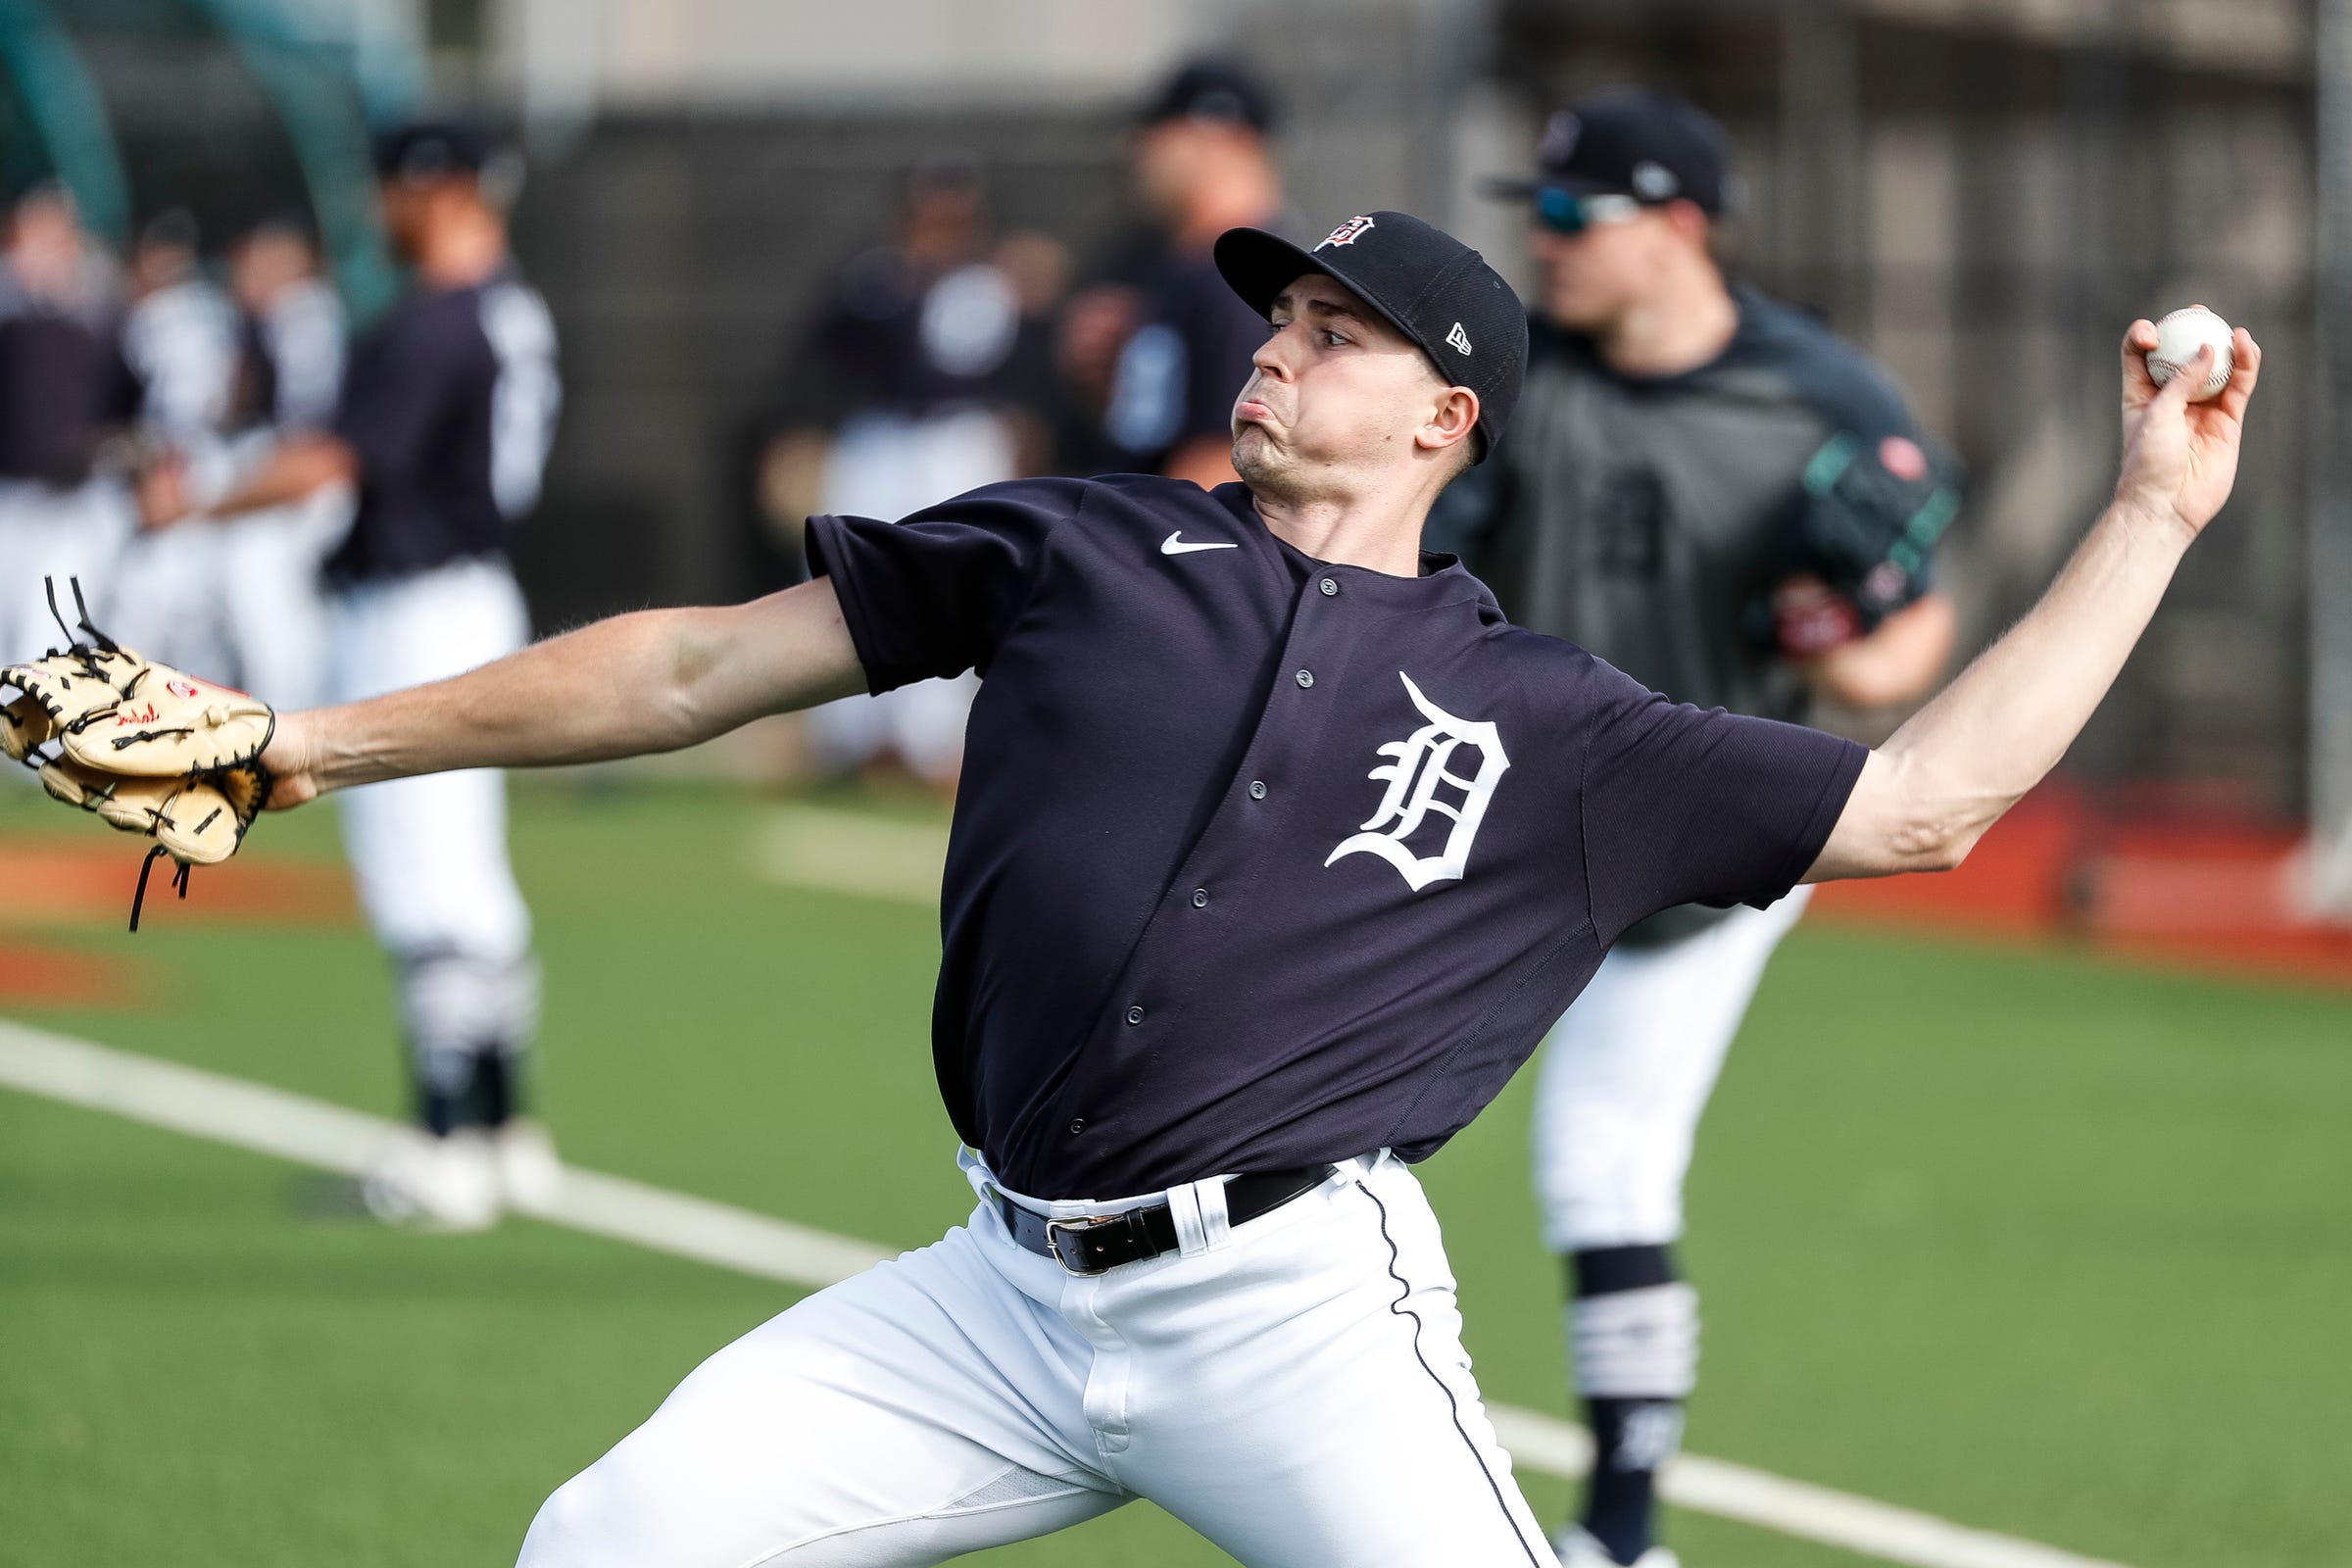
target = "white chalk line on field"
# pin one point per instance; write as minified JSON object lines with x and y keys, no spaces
{"x":313,"y":1132}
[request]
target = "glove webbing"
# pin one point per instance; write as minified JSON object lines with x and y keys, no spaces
{"x":98,"y":639}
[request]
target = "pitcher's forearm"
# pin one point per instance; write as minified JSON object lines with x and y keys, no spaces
{"x":605,"y":691}
{"x":654,"y":681}
{"x":1994,"y":733}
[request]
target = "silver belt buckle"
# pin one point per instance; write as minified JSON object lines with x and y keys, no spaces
{"x":1053,"y":1229}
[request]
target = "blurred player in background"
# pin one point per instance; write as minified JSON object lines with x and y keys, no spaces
{"x":1718,"y":496}
{"x":1156,"y":348}
{"x":445,"y":419}
{"x":61,"y":394}
{"x":289,"y":374}
{"x":179,"y":344}
{"x":905,"y":391}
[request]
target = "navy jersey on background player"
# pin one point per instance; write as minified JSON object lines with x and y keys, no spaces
{"x":1174,"y":381}
{"x":1650,"y":517}
{"x":290,"y":361}
{"x":449,"y":404}
{"x":1342,"y":846}
{"x":888,"y":336}
{"x":63,"y":388}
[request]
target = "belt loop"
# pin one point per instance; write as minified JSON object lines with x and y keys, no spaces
{"x":1185,"y":1209}
{"x":975,"y":1171}
{"x":1215,"y":1228}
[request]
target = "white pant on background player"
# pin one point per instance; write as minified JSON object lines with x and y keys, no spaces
{"x":49,"y":532}
{"x":1295,"y":1388}
{"x":1623,"y":1082}
{"x":239,"y":595}
{"x":272,"y":611}
{"x":891,"y":465}
{"x":430,"y":854}
{"x":162,"y":598}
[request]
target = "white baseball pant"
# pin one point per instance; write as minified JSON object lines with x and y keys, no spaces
{"x":429,"y":855}
{"x":48,"y":532}
{"x":890,"y":466}
{"x":162,"y":598}
{"x":1626,"y":1075}
{"x":1295,"y":1388}
{"x":272,"y":611}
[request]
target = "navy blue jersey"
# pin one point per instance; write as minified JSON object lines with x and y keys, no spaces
{"x":450,"y":403}
{"x":891,"y":337}
{"x":1260,"y":862}
{"x":1183,"y":364}
{"x":63,"y":385}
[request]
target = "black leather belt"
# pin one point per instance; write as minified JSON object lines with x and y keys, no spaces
{"x":1098,"y":1244}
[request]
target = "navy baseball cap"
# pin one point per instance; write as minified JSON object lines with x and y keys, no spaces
{"x":1211,"y":87}
{"x":430,"y":149}
{"x":1429,"y":286}
{"x":1651,"y":146}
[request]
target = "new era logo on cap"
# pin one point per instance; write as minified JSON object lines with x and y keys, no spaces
{"x":1435,"y":290}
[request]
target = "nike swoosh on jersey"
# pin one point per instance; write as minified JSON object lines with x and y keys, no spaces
{"x":1174,"y":545}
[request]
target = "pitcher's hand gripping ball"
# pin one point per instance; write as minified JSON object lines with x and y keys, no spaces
{"x":2178,"y":336}
{"x":148,"y":749}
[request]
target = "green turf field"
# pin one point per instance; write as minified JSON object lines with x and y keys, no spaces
{"x":2040,"y":1244}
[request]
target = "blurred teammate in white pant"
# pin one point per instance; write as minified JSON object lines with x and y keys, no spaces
{"x":179,"y":346}
{"x":273,"y":613}
{"x":61,"y":393}
{"x":902,"y":379}
{"x":446,"y":414}
{"x":223,"y":379}
{"x":1713,"y":493}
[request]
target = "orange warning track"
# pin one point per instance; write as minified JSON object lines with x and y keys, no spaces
{"x":2193,"y":892}
{"x":52,"y":882}
{"x":57,"y":977}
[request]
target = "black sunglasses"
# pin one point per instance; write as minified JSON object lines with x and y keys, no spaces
{"x":1564,"y":212}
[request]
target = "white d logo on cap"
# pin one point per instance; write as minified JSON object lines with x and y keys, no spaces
{"x":1346,"y":233}
{"x":1654,"y":181}
{"x":1560,"y":135}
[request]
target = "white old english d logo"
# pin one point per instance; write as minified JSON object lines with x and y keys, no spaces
{"x":1414,"y":776}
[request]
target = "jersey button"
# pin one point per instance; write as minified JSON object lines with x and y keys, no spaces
{"x":1307,"y":677}
{"x":1257,"y":789}
{"x":1330,"y":587}
{"x":1135,"y":1016}
{"x":1077,"y":1125}
{"x":1199,"y":897}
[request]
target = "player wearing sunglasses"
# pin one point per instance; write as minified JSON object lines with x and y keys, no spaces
{"x":1714,"y":494}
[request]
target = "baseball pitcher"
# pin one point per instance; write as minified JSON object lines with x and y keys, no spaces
{"x":1278,"y":850}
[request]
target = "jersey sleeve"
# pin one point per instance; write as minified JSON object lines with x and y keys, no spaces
{"x":1684,"y":805}
{"x":937,"y":593}
{"x":398,"y":390}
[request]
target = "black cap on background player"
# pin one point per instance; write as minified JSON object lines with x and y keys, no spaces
{"x":1212,"y":87}
{"x":1651,"y":146}
{"x":1430,"y":286}
{"x":425,"y":153}
{"x":429,"y":149}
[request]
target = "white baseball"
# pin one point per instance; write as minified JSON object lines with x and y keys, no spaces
{"x":2178,"y":336}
